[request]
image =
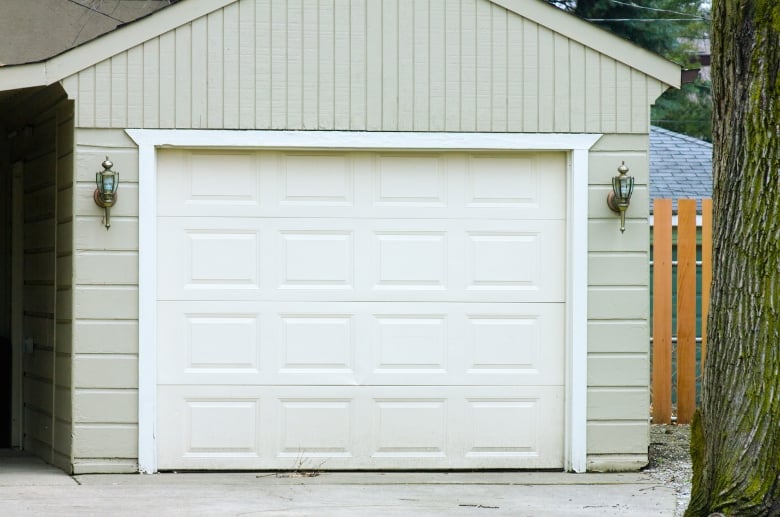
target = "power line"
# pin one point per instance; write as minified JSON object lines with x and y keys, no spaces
{"x":632,"y":4}
{"x":95,"y":10}
{"x":646,"y":19}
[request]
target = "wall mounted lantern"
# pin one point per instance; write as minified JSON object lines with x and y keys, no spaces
{"x":105,"y":193}
{"x":620,"y":197}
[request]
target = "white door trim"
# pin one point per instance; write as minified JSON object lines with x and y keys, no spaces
{"x":577,"y":146}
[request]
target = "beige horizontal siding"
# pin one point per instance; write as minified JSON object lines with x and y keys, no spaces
{"x":618,"y":302}
{"x":106,"y":302}
{"x":427,"y":65}
{"x":618,"y":404}
{"x":618,"y":370}
{"x":62,"y":440}
{"x":604,"y":235}
{"x":105,"y":466}
{"x":607,"y":269}
{"x":122,"y":237}
{"x":616,"y":462}
{"x":107,"y":268}
{"x":105,"y":371}
{"x":105,"y":405}
{"x":610,"y":336}
{"x":597,"y":202}
{"x":617,"y":437}
{"x":105,"y":441}
{"x":105,"y":336}
{"x":65,"y":336}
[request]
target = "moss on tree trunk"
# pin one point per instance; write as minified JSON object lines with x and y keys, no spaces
{"x":736,"y":434}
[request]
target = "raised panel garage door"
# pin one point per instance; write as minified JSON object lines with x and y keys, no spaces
{"x":360,"y":310}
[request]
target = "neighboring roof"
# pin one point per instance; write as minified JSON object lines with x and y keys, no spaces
{"x":182,"y":12}
{"x":680,"y":167}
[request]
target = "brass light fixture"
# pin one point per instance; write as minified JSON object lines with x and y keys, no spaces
{"x":620,"y":197}
{"x":105,"y":193}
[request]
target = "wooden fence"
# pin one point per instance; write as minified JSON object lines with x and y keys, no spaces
{"x":664,"y":336}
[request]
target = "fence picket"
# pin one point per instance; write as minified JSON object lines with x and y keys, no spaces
{"x":662,"y":311}
{"x":686,"y":310}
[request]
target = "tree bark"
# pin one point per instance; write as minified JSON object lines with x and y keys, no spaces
{"x":736,"y":433}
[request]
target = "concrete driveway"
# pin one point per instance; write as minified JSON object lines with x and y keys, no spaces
{"x":29,"y":487}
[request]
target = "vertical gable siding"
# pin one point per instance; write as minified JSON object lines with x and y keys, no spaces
{"x":395,"y":65}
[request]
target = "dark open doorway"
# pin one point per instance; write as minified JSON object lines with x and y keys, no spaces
{"x":6,"y":392}
{"x":6,"y":369}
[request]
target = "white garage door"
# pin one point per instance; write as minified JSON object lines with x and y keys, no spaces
{"x":359,"y":310}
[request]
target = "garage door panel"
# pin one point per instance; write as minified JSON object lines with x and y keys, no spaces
{"x":215,"y":182}
{"x":364,"y":427}
{"x":315,"y":180}
{"x":299,"y":343}
{"x":361,"y":185}
{"x":333,"y":268}
{"x":345,"y":260}
{"x":203,"y":343}
{"x":209,"y":257}
{"x":404,"y":181}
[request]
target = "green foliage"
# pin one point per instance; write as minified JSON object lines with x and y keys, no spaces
{"x":687,"y":110}
{"x":666,"y":27}
{"x":669,"y":28}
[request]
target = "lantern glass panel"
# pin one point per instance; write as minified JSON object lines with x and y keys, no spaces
{"x":108,"y":183}
{"x":626,"y":187}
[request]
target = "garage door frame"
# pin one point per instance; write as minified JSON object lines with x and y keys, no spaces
{"x":576,"y":146}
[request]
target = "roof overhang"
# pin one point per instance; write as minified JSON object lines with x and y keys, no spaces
{"x":109,"y":44}
{"x":135,"y":33}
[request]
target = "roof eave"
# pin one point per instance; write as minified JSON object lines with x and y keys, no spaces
{"x":14,"y":77}
{"x":103,"y":47}
{"x":596,"y":38}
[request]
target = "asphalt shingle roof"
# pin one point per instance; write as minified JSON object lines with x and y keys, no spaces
{"x":680,"y":167}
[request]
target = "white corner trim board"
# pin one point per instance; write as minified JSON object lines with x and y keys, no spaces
{"x":577,"y":146}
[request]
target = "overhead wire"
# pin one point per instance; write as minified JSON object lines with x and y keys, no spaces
{"x":690,"y":17}
{"x":657,"y":9}
{"x":645,"y":19}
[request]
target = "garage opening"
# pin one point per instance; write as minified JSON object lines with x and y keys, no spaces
{"x":5,"y":307}
{"x":36,"y":181}
{"x":360,"y":310}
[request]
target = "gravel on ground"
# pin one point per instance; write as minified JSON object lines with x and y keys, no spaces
{"x":670,"y":460}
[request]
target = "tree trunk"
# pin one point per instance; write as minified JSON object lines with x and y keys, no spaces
{"x":736,"y":434}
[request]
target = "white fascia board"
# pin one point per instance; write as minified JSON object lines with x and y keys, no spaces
{"x":103,"y":47}
{"x":363,"y":140}
{"x":596,"y":38}
{"x":576,"y":146}
{"x":14,"y":77}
